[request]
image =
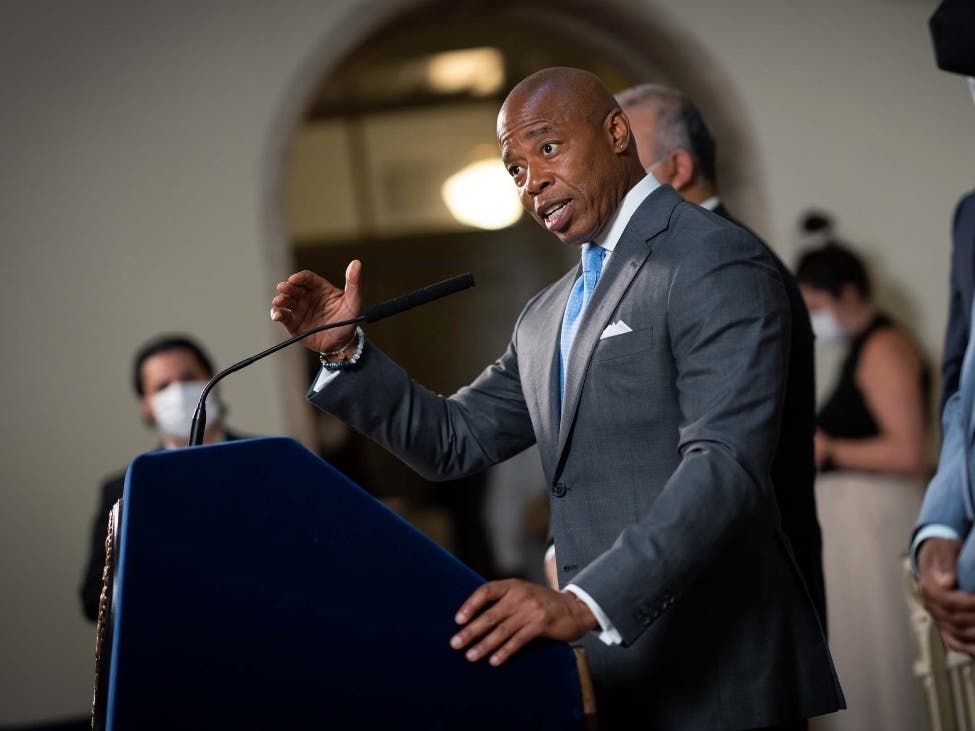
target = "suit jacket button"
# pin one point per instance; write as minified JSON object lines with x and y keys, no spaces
{"x":559,"y":489}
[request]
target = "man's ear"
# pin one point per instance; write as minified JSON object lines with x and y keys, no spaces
{"x":685,"y":170}
{"x":618,"y":129}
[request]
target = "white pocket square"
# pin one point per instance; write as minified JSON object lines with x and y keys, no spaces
{"x":615,"y":328}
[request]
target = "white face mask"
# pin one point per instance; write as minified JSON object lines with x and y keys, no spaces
{"x":174,"y":407}
{"x":826,"y":327}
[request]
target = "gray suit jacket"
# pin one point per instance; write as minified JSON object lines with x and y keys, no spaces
{"x":659,"y":460}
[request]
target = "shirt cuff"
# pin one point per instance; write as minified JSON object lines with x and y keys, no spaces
{"x":325,"y":377}
{"x":932,"y":530}
{"x":609,"y":635}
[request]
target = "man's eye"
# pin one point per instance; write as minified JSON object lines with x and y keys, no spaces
{"x":514,"y":171}
{"x":548,"y":148}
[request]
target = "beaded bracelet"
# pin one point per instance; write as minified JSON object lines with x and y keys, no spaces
{"x":340,"y":365}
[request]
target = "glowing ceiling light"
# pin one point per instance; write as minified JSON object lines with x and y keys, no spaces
{"x":479,"y":71}
{"x":482,"y":195}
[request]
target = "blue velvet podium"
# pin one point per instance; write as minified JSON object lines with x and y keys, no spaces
{"x":256,"y":587}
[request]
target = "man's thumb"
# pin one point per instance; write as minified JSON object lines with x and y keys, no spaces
{"x":353,"y":275}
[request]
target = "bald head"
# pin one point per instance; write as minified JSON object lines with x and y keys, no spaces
{"x":568,"y":147}
{"x":571,"y":92}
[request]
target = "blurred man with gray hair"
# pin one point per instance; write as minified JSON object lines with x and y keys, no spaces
{"x":676,"y":146}
{"x":674,"y":142}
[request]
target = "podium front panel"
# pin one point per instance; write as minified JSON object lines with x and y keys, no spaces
{"x":259,"y":588}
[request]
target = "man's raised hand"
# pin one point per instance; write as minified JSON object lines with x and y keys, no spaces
{"x":307,"y":300}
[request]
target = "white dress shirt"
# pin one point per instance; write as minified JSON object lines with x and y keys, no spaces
{"x":710,"y":203}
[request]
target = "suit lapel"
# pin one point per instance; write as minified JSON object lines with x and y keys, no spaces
{"x":632,"y":251}
{"x":547,"y":387}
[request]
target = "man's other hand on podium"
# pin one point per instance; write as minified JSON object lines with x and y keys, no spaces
{"x":501,"y":617}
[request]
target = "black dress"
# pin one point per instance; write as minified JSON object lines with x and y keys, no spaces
{"x":845,"y":415}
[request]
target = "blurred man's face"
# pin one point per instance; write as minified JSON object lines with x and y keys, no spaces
{"x":659,"y":163}
{"x":564,"y":165}
{"x":162,"y":369}
{"x":643,"y":122}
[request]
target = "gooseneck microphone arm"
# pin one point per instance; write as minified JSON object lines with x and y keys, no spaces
{"x":199,"y":424}
{"x":370,"y":314}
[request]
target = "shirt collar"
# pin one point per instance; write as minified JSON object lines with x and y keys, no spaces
{"x":631,"y":201}
{"x":710,"y":203}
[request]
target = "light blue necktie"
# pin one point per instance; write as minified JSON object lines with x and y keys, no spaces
{"x":592,"y":266}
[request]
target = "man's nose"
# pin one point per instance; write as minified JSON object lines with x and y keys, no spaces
{"x":538,"y":180}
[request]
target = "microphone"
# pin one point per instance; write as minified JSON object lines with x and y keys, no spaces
{"x":419,"y":297}
{"x":370,"y":314}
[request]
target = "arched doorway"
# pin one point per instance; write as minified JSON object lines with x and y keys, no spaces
{"x":373,"y":134}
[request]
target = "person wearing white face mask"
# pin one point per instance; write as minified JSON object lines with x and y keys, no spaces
{"x":870,"y":452}
{"x":874,"y":420}
{"x":168,"y":376}
{"x":169,"y":401}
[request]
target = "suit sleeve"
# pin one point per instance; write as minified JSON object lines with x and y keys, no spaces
{"x":729,"y":325}
{"x":442,"y":438}
{"x":944,"y":500}
{"x":944,"y":503}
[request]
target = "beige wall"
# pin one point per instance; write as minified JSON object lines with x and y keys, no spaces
{"x":137,"y":146}
{"x":134,"y":144}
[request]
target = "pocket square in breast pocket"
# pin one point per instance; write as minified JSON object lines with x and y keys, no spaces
{"x":615,"y":328}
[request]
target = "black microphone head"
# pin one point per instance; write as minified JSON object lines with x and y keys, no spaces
{"x":419,"y":297}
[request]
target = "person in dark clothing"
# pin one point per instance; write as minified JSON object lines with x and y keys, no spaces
{"x":675,"y":145}
{"x":874,"y":420}
{"x":168,"y":375}
{"x":870,"y":453}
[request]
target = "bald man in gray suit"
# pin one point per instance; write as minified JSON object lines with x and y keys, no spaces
{"x":652,"y":378}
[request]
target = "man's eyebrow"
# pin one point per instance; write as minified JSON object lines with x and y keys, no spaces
{"x":537,"y":131}
{"x":530,"y":134}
